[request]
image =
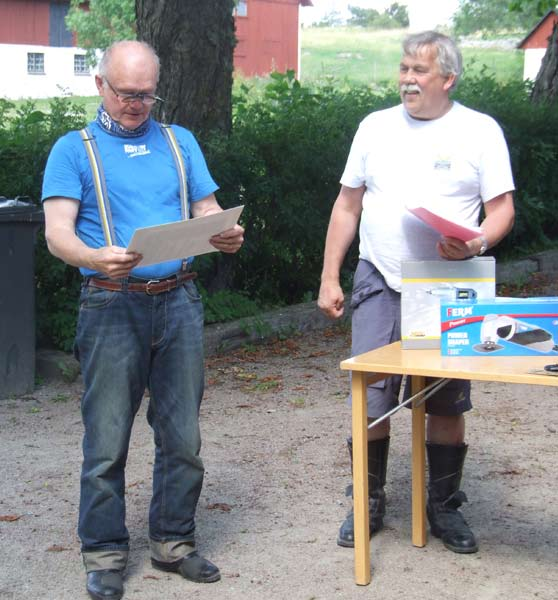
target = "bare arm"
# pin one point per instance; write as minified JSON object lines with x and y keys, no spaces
{"x":497,"y":224}
{"x":341,"y":232}
{"x":228,"y":241}
{"x":62,"y":241}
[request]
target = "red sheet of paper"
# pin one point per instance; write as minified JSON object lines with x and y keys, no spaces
{"x":443,"y":226}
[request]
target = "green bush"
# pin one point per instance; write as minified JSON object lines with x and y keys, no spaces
{"x":26,"y":137}
{"x":287,"y":152}
{"x":283,"y":161}
{"x":531,"y":132}
{"x":227,"y":305}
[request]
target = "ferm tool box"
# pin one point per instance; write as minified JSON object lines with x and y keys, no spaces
{"x":500,"y":327}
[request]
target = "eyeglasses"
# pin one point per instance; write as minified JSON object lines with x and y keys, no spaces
{"x":147,"y":99}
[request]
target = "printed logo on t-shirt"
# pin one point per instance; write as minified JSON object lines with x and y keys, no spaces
{"x":442,"y":163}
{"x":133,"y":150}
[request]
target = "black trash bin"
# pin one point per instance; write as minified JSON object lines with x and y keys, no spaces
{"x":19,"y":221}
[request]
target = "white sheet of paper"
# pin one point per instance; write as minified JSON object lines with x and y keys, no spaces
{"x":181,"y":239}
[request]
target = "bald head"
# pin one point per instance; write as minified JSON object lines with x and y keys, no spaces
{"x":129,"y":54}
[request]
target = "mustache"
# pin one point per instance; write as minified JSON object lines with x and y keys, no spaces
{"x":410,"y":87}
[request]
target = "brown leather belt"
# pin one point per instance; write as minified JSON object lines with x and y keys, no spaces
{"x":151,"y":288}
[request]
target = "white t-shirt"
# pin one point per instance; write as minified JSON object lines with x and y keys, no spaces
{"x":448,"y":165}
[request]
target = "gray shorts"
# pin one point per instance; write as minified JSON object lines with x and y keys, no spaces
{"x":376,"y":322}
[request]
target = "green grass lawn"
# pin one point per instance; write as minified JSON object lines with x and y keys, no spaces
{"x":91,"y":103}
{"x":367,"y":56}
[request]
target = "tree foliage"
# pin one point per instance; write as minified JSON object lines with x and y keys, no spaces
{"x":541,"y":6}
{"x":394,"y":16}
{"x":104,"y":22}
{"x":398,"y":12}
{"x":494,"y":16}
{"x":331,"y":19}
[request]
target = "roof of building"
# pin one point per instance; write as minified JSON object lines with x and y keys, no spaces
{"x":546,"y":22}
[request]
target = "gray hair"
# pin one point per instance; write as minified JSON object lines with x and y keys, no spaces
{"x":448,"y":54}
{"x":105,"y":61}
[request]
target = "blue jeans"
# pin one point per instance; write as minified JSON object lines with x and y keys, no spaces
{"x":125,"y":342}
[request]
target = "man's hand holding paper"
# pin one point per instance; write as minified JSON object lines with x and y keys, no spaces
{"x":229,"y":240}
{"x":209,"y":231}
{"x":452,"y":248}
{"x":458,"y":241}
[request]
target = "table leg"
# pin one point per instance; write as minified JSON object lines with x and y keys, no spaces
{"x":418,"y":468}
{"x":360,"y":478}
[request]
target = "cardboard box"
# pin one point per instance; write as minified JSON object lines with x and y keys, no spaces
{"x":426,"y":283}
{"x":500,"y":327}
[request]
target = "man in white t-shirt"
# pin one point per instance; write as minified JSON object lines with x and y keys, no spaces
{"x":433,"y":152}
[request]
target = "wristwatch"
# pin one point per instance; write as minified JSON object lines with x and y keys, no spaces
{"x":484,"y":246}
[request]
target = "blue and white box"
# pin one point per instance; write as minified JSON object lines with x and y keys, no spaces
{"x":500,"y":327}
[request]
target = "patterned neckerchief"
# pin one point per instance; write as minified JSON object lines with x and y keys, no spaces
{"x":111,"y":126}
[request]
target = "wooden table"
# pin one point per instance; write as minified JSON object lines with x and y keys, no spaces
{"x":418,"y":364}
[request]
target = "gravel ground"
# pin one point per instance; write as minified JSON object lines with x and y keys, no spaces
{"x":274,"y":421}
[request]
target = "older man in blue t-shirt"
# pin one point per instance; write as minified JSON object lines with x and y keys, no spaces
{"x":138,"y":327}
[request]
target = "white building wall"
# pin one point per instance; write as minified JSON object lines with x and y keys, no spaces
{"x":58,"y":79}
{"x":532,"y":62}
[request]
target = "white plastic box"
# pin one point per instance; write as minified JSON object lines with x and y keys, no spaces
{"x":426,"y":283}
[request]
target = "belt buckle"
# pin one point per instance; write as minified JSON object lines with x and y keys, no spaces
{"x":151,"y":282}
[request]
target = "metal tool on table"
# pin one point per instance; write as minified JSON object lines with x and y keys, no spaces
{"x":495,"y":328}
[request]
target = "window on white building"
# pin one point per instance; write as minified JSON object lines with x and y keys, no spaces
{"x":80,"y":65}
{"x":36,"y":63}
{"x":241,"y":8}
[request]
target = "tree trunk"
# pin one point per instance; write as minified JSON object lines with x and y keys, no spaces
{"x":546,"y":84}
{"x":195,"y":41}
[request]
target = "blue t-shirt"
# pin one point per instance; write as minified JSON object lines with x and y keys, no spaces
{"x":141,"y":179}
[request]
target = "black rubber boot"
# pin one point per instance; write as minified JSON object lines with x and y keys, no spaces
{"x":444,"y":498}
{"x":377,"y":466}
{"x":105,"y":585}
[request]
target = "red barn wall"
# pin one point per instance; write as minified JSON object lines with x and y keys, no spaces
{"x":24,"y":22}
{"x":267,"y":37}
